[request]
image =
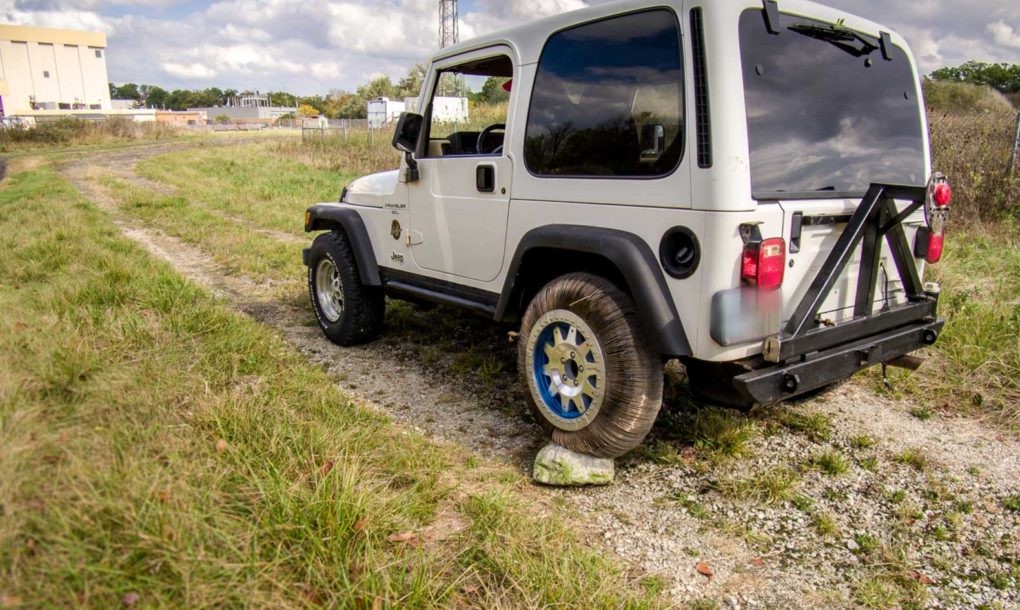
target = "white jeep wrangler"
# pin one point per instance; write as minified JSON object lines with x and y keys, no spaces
{"x":740,"y":184}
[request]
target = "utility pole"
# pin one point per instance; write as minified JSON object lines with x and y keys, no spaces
{"x":449,"y":32}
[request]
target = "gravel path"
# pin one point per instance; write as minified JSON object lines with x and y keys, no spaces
{"x":845,"y":500}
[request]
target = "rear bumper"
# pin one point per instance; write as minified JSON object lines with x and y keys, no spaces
{"x":815,"y":370}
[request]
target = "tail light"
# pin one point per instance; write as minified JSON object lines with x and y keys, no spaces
{"x":934,"y":247}
{"x":763,"y":263}
{"x":943,"y":194}
{"x":936,"y":215}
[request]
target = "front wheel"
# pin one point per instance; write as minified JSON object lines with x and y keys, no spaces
{"x":348,"y":311}
{"x":595,"y":382}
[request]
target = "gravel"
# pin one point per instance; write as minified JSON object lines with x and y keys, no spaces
{"x":940,"y":534}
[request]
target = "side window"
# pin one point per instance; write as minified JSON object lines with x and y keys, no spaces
{"x":608,"y":99}
{"x":469,"y":106}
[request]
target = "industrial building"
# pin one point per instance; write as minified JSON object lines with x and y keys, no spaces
{"x":43,"y":69}
{"x":248,"y":109}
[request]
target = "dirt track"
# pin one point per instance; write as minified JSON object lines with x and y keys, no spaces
{"x":667,"y":512}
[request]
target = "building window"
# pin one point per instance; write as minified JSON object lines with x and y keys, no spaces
{"x":46,"y":74}
{"x":99,"y":53}
{"x":95,"y":107}
{"x":63,"y":106}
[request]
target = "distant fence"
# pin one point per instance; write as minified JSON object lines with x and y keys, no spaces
{"x":312,"y":129}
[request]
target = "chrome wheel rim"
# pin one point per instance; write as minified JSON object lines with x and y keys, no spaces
{"x":328,"y":290}
{"x":567,"y":366}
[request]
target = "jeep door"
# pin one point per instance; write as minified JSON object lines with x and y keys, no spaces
{"x":458,"y":207}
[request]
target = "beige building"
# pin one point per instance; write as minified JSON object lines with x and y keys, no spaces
{"x":47,"y":69}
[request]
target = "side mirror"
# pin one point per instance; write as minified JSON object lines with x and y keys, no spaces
{"x":405,"y":137}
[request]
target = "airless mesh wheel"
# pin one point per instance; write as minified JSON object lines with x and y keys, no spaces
{"x":595,"y":383}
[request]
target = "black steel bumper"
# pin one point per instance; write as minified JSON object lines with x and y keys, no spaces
{"x":812,"y":371}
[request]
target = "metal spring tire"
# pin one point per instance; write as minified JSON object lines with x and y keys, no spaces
{"x":595,"y":382}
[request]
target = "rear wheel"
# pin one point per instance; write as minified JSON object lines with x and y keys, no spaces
{"x":595,"y":383}
{"x":348,"y":311}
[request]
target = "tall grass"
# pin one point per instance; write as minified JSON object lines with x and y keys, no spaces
{"x":353,"y":153}
{"x":77,"y":132}
{"x":972,"y":132}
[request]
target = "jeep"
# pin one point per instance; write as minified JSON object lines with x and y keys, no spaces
{"x":744,"y":186}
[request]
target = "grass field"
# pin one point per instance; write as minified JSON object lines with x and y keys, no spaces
{"x":159,"y":449}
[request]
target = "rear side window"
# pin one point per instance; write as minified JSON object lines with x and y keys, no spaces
{"x":826,"y":112}
{"x":608,"y":99}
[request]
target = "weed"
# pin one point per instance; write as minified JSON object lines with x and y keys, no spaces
{"x":803,"y":503}
{"x":777,"y":484}
{"x":816,"y":426}
{"x":692,"y":506}
{"x":862,"y":441}
{"x":869,"y":463}
{"x":866,"y":543}
{"x":921,"y":413}
{"x":825,"y":525}
{"x":897,"y":496}
{"x":835,"y":495}
{"x":915,"y":458}
{"x":703,"y":604}
{"x":830,"y":462}
{"x":653,"y":585}
{"x":1012,"y":503}
{"x":1000,"y":580}
{"x":721,"y":433}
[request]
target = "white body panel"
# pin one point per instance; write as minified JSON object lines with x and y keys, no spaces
{"x":451,"y":232}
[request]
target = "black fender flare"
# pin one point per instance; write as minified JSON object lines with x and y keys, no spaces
{"x":330,"y":217}
{"x":634,"y":260}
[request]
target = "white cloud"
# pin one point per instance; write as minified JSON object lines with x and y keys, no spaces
{"x":192,"y":70}
{"x":309,"y":48}
{"x":1004,"y":34}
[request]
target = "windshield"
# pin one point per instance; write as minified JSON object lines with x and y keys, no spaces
{"x":826,"y":112}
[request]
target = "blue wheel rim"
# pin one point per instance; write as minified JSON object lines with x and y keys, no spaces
{"x":567,"y":370}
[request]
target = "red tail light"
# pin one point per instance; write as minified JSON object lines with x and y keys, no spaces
{"x":763,"y":263}
{"x":934,"y":247}
{"x":943,"y":194}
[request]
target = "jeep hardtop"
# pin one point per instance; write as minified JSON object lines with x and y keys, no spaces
{"x":739,"y":184}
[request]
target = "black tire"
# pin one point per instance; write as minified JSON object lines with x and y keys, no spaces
{"x":613,"y":403}
{"x":358,"y":317}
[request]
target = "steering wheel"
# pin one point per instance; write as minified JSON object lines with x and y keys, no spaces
{"x":484,"y":134}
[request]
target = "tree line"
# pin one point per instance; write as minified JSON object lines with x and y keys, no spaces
{"x":337,"y":104}
{"x":1002,"y":76}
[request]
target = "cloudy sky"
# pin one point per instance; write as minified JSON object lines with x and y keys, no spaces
{"x":309,"y":47}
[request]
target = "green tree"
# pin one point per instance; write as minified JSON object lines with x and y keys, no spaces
{"x":410,"y":85}
{"x":1002,"y":76}
{"x":155,"y":97}
{"x":492,"y":91}
{"x":305,"y":110}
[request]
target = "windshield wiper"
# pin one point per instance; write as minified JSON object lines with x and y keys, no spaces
{"x":840,"y":38}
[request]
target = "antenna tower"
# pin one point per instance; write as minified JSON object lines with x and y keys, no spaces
{"x":449,"y":33}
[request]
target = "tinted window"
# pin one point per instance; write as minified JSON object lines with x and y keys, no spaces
{"x":825,"y":110}
{"x":608,"y":99}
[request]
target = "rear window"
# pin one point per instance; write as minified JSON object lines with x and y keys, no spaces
{"x":826,"y":113}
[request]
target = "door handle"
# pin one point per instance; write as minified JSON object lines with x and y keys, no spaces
{"x":485,"y":178}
